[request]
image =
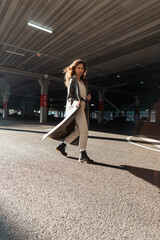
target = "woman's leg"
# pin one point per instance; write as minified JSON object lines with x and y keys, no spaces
{"x":71,"y":137}
{"x":83,"y":137}
{"x":83,"y":128}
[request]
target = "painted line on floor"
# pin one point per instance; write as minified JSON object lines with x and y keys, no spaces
{"x":128,"y":139}
{"x":152,"y":141}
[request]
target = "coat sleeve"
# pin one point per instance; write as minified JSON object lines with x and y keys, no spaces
{"x":73,"y":94}
{"x":72,"y":97}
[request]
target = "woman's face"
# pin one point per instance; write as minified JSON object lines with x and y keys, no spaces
{"x":79,"y":70}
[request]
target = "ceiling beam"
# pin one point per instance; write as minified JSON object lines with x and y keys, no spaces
{"x":36,"y":76}
{"x":33,"y":75}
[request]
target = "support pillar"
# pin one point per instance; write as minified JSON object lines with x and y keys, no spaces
{"x":5,"y":104}
{"x":101,"y":106}
{"x":158,"y":111}
{"x":137,"y":110}
{"x":44,"y":97}
{"x":23,"y":107}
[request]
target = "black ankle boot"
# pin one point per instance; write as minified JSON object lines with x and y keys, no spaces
{"x":61,"y":148}
{"x":84,"y":158}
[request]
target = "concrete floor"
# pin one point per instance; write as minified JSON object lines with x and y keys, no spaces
{"x":46,"y":196}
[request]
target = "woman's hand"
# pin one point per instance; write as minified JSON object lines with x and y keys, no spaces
{"x":78,"y":104}
{"x":89,"y":97}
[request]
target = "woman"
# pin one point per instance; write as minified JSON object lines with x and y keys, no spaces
{"x":77,"y":96}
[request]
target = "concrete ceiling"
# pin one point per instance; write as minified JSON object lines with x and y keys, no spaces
{"x":113,"y":37}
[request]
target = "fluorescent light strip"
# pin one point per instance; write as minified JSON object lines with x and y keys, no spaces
{"x":41,"y":28}
{"x":19,"y":54}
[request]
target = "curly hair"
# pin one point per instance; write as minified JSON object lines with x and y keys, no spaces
{"x":70,"y":71}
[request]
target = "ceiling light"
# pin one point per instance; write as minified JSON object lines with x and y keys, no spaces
{"x":102,"y":75}
{"x":140,"y":65}
{"x":16,"y":53}
{"x":39,"y":27}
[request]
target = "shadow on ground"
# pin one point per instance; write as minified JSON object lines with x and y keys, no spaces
{"x":10,"y":230}
{"x":151,"y":176}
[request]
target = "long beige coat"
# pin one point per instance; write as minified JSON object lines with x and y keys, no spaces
{"x":65,"y":127}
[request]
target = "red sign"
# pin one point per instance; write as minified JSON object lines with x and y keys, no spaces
{"x":5,"y":105}
{"x":44,"y":100}
{"x":101,"y":106}
{"x":136,"y":110}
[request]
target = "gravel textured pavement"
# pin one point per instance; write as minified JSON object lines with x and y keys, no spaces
{"x":46,"y":196}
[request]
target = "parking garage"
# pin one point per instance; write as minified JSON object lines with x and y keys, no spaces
{"x":45,"y":196}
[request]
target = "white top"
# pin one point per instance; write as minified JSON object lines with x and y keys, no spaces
{"x":82,"y":90}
